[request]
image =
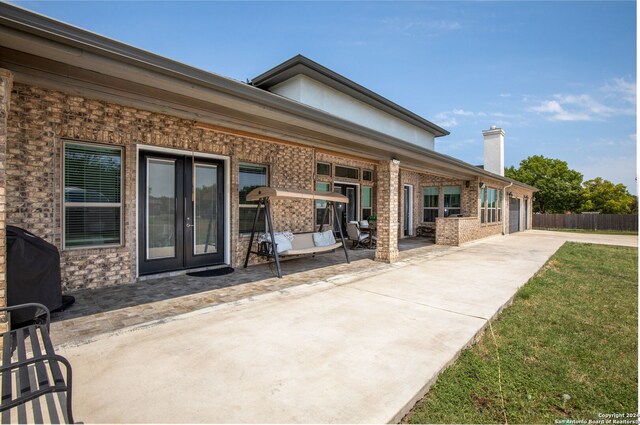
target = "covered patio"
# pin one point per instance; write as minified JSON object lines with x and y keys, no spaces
{"x":112,"y":308}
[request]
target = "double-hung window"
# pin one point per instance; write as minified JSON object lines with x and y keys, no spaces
{"x":491,"y":205}
{"x":451,"y":201}
{"x":92,"y":203}
{"x":430,"y":205}
{"x":251,"y":176}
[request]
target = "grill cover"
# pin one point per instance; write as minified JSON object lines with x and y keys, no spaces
{"x":33,"y":273}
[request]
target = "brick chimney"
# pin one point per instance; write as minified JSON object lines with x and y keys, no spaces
{"x":494,"y":150}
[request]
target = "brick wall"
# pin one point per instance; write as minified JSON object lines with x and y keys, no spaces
{"x":40,"y":119}
{"x":388,"y":182}
{"x":420,"y":180}
{"x":457,"y":231}
{"x":6,"y":83}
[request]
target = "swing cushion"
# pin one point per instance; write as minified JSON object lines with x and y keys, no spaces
{"x":324,"y":238}
{"x":282,"y":242}
{"x":303,"y":244}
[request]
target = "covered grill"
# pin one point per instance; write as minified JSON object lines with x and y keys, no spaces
{"x":33,"y":274}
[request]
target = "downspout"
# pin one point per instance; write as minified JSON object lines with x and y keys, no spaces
{"x":504,"y":207}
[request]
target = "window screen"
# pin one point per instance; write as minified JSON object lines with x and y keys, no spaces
{"x":430,"y":205}
{"x":92,"y":195}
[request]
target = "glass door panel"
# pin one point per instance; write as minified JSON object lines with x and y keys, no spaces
{"x":161,"y":208}
{"x":351,"y":206}
{"x":205,"y":209}
{"x":181,"y":217}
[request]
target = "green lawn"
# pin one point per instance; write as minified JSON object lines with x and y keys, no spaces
{"x":596,"y":232}
{"x":568,"y":348}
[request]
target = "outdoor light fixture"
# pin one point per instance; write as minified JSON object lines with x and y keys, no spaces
{"x":481,"y":185}
{"x":510,"y":194}
{"x":466,"y":183}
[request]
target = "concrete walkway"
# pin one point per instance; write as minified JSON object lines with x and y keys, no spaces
{"x":356,"y":352}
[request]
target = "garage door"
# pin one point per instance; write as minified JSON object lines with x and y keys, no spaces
{"x":514,"y":215}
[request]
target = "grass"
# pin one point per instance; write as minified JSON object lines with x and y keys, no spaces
{"x":568,"y":348}
{"x":596,"y":232}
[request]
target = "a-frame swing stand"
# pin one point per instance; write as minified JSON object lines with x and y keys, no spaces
{"x":264,"y":195}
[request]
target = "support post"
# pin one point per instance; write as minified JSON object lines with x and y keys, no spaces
{"x":274,"y":247}
{"x":387,"y":188}
{"x":253,"y":232}
{"x":344,"y":243}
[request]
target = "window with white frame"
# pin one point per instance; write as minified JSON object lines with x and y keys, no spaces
{"x":490,"y":205}
{"x":430,"y":204}
{"x":451,"y":201}
{"x":250,"y":177}
{"x":92,"y":202}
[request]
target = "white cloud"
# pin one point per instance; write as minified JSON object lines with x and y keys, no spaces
{"x":445,"y":120}
{"x":619,"y":96}
{"x":505,"y":94}
{"x":619,"y":87}
{"x":463,"y":113}
{"x":555,"y":112}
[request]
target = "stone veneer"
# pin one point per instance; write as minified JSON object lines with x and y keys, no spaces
{"x":6,"y":83}
{"x":40,"y":120}
{"x":420,"y":180}
{"x":459,"y":230}
{"x":388,"y":180}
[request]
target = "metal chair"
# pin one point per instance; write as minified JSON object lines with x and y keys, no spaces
{"x":358,"y":239}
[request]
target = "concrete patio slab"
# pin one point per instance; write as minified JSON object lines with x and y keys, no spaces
{"x":355,"y":352}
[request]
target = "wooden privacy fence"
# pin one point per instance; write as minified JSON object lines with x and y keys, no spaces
{"x":586,"y":221}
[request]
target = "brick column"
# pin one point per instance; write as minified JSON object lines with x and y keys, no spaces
{"x":6,"y":85}
{"x":388,"y":184}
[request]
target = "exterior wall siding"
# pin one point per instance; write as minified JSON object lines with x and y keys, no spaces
{"x":6,"y":83}
{"x":40,"y":120}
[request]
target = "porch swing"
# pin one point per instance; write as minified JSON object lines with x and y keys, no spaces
{"x":302,"y":243}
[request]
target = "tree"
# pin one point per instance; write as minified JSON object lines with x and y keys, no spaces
{"x":603,"y":196}
{"x":560,"y":187}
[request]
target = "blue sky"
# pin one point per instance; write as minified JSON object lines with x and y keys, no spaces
{"x":559,"y":77}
